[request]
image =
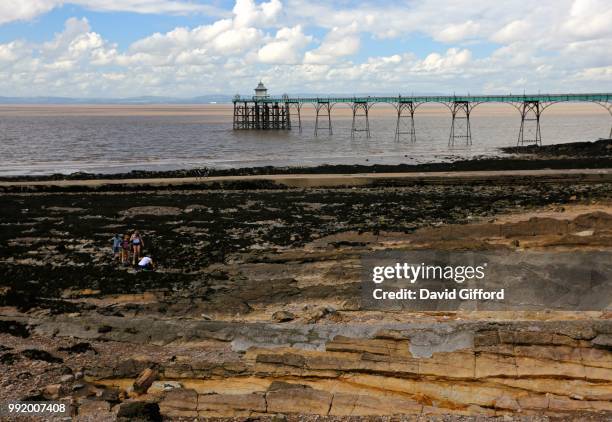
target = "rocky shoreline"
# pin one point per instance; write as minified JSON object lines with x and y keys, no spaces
{"x":254,"y":310}
{"x":596,"y":149}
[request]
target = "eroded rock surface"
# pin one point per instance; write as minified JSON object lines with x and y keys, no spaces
{"x":255,"y":308}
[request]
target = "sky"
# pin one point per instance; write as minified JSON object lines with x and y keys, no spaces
{"x":187,"y":48}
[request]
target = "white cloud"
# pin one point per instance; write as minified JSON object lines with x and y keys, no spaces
{"x":285,"y":47}
{"x":454,"y":60}
{"x":235,"y":40}
{"x":517,"y":30}
{"x":395,"y":19}
{"x":203,"y":43}
{"x":77,"y":44}
{"x":458,"y":32}
{"x":339,"y":42}
{"x":603,"y":73}
{"x":589,"y":53}
{"x":146,"y":6}
{"x":23,"y":10}
{"x":590,"y":18}
{"x":11,"y":52}
{"x":556,"y":45}
{"x":16,"y":10}
{"x":247,"y":13}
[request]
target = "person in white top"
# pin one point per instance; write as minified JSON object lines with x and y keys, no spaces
{"x":146,"y":263}
{"x":137,"y":246}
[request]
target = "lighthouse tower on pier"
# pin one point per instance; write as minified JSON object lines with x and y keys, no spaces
{"x":261,"y":111}
{"x":261,"y":91}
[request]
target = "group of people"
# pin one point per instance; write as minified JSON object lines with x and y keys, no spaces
{"x":126,"y":245}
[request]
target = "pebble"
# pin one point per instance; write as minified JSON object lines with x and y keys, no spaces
{"x":66,"y":378}
{"x":283,"y":316}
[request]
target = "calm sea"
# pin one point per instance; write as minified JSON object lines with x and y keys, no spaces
{"x":111,"y":139}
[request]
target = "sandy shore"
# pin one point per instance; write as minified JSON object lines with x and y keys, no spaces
{"x":331,"y":180}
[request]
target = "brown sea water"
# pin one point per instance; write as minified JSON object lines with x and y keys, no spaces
{"x":50,"y":139}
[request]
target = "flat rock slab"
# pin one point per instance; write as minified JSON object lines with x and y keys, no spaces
{"x":151,"y":210}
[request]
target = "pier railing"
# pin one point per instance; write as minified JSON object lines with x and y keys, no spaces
{"x":605,"y":97}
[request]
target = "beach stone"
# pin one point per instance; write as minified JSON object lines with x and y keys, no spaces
{"x":138,"y":410}
{"x":52,"y":391}
{"x":178,"y":401}
{"x":43,"y":355}
{"x":161,"y":386}
{"x":15,"y":328}
{"x":66,"y":378}
{"x":94,"y":410}
{"x":144,"y":380}
{"x":283,"y":316}
{"x":195,"y":207}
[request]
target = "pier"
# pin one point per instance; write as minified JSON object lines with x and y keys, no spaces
{"x":264,"y":112}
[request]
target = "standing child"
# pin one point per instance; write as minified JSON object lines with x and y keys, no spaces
{"x":125,"y":249}
{"x":116,"y":247}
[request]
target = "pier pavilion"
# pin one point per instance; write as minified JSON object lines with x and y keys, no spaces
{"x":265,"y":112}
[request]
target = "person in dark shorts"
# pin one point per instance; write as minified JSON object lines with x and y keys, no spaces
{"x":137,"y":246}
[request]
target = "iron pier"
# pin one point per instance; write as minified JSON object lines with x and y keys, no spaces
{"x":265,"y":112}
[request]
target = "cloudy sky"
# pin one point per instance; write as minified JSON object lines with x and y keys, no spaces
{"x":120,"y":48}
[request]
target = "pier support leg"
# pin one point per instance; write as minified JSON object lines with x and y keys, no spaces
{"x":257,"y":117}
{"x":247,"y":113}
{"x":275,"y":116}
{"x":265,"y":116}
{"x":235,"y":125}
{"x":360,"y":109}
{"x":609,"y":108}
{"x":242,"y":114}
{"x":402,"y":107}
{"x":298,"y":109}
{"x":286,"y":116}
{"x":460,"y":111}
{"x":299,"y":112}
{"x":530,"y":112}
{"x":322,"y":108}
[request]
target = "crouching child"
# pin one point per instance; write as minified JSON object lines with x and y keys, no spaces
{"x":146,"y":264}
